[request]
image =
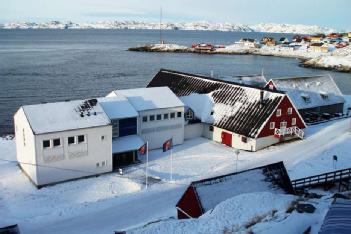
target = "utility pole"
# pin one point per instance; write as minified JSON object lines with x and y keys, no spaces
{"x":161,"y":41}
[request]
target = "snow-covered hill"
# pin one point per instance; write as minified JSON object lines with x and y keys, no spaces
{"x":263,"y":27}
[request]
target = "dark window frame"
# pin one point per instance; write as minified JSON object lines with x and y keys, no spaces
{"x":79,"y":140}
{"x":46,"y":146}
{"x":56,"y":142}
{"x":69,"y":138}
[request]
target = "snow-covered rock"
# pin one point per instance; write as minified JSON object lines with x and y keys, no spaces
{"x":200,"y":26}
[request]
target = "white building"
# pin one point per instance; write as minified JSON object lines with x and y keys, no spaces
{"x":67,"y":140}
{"x":161,"y":114}
{"x":57,"y":142}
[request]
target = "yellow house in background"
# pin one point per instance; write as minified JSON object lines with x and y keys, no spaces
{"x":319,"y":47}
{"x":349,"y":34}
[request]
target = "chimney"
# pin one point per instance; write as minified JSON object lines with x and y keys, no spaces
{"x":261,"y":96}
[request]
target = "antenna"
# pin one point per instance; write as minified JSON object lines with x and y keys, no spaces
{"x":161,"y":42}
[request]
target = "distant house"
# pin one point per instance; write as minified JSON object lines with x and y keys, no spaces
{"x":317,"y":38}
{"x":283,"y":40}
{"x":62,"y":141}
{"x":314,"y":96}
{"x":268,"y":41}
{"x":237,"y":115}
{"x":319,"y":47}
{"x":248,"y":42}
{"x":204,"y":195}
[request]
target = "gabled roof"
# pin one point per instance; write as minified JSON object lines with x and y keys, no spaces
{"x":210,"y":192}
{"x":321,"y":90}
{"x":117,"y":107}
{"x":149,"y":98}
{"x":237,"y":107}
{"x":61,"y":116}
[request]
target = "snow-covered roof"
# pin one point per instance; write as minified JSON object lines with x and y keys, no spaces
{"x":126,"y":143}
{"x":338,"y":218}
{"x":270,"y":178}
{"x":320,"y":90}
{"x":236,"y":107}
{"x":61,"y":116}
{"x":117,"y":107}
{"x":149,"y":98}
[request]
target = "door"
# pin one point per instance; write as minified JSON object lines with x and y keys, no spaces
{"x":122,"y":159}
{"x":227,"y":138}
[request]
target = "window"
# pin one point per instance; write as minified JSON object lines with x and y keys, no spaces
{"x":144,"y":118}
{"x":293,"y":121}
{"x":158,"y":117}
{"x":97,"y":164}
{"x":289,"y":111}
{"x":179,"y":114}
{"x":210,"y":128}
{"x":279,"y":112}
{"x":103,"y":163}
{"x":81,"y":139}
{"x":103,"y":138}
{"x":127,"y":127}
{"x":172,"y":115}
{"x":165,"y":116}
{"x":271,"y":125}
{"x":244,"y":139}
{"x":152,"y":117}
{"x":71,"y":140}
{"x":46,"y":143}
{"x":56,"y":142}
{"x":115,"y":127}
{"x":283,"y":124}
{"x":189,"y":115}
{"x":212,"y":112}
{"x":271,"y":87}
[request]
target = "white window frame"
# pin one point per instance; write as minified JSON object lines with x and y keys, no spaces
{"x":271,"y":125}
{"x":290,"y":111}
{"x":293,"y":121}
{"x":279,"y":113}
{"x":50,"y":144}
{"x":74,"y":142}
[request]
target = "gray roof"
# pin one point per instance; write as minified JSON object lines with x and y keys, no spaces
{"x":321,"y":90}
{"x":338,"y":218}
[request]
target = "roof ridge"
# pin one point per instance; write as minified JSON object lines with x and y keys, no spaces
{"x":221,"y":81}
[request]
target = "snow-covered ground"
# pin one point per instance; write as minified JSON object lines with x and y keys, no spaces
{"x":118,"y":202}
{"x":200,"y":26}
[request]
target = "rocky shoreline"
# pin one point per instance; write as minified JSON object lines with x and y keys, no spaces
{"x":307,"y":59}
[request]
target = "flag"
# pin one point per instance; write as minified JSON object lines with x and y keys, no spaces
{"x":167,"y":145}
{"x":142,"y":150}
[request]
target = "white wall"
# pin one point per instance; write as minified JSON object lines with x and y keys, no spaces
{"x":158,"y":131}
{"x":77,"y":160}
{"x":264,"y":142}
{"x":25,"y":151}
{"x":237,"y":142}
{"x":193,"y":130}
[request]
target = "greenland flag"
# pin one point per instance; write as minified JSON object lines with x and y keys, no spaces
{"x":142,"y":150}
{"x":167,"y":145}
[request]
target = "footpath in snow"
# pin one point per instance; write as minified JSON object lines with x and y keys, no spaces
{"x":117,"y":202}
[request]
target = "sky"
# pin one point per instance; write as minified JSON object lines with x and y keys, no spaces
{"x":328,"y":13}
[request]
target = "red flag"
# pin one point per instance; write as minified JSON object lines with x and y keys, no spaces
{"x":167,"y":145}
{"x":142,"y":150}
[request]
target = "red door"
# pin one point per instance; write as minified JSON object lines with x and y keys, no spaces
{"x":226,"y":138}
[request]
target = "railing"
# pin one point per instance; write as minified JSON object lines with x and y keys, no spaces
{"x":322,"y":179}
{"x":289,"y":131}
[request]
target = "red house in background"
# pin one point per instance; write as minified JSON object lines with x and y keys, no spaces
{"x":203,"y":195}
{"x":238,"y":115}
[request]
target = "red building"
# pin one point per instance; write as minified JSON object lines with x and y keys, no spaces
{"x":203,"y":195}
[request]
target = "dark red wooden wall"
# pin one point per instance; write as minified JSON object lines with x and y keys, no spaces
{"x":190,"y":204}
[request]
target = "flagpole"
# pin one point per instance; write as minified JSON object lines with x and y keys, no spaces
{"x":172,"y":163}
{"x":147,"y":162}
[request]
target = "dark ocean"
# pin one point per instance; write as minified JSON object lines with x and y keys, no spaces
{"x":55,"y":65}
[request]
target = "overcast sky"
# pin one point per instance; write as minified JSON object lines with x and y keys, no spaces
{"x":320,"y":12}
